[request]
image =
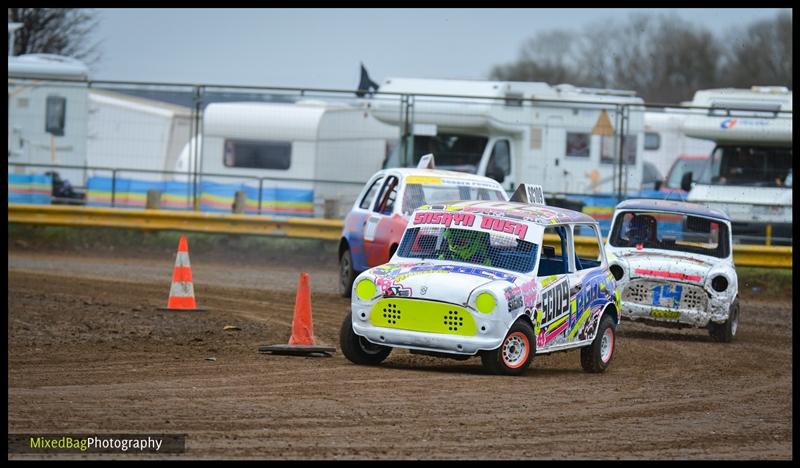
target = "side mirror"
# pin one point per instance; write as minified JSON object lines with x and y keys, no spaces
{"x":496,"y":174}
{"x":686,"y":182}
{"x":658,"y":185}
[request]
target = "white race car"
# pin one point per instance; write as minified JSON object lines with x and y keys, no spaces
{"x":673,"y":262}
{"x":497,"y":279}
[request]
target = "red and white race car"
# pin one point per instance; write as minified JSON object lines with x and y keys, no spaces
{"x":375,"y":225}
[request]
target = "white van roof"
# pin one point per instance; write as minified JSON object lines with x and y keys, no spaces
{"x":47,"y":66}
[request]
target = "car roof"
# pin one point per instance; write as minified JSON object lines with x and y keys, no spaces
{"x":412,"y":171}
{"x":538,"y":214}
{"x":674,"y":206}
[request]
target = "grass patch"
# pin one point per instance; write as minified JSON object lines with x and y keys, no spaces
{"x":51,"y":238}
{"x":773,"y":282}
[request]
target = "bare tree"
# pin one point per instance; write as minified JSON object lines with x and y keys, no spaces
{"x":62,"y":31}
{"x":547,"y":57}
{"x":761,"y":55}
{"x":662,"y":57}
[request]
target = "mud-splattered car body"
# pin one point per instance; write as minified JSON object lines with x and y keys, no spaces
{"x":673,"y":263}
{"x":432,"y":304}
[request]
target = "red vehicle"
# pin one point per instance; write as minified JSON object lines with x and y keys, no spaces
{"x":694,"y":163}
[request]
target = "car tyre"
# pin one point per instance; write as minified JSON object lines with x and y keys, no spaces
{"x":346,"y":274}
{"x":596,"y":357}
{"x":724,"y":332}
{"x":515,"y":354}
{"x":357,"y":349}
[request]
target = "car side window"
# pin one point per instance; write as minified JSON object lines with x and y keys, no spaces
{"x":387,"y":196}
{"x":553,"y":259}
{"x":582,"y":262}
{"x":366,"y":202}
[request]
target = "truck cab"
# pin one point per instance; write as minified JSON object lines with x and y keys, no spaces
{"x":749,"y":173}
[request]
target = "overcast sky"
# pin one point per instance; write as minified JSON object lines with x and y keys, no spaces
{"x":322,"y":48}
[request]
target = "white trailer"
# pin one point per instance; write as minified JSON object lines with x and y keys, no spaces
{"x":749,"y":175}
{"x":493,"y":128}
{"x":47,"y":120}
{"x":129,"y":132}
{"x":302,"y":141}
{"x":664,"y":140}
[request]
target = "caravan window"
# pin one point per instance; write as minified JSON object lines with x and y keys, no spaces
{"x":652,"y":141}
{"x":56,"y":110}
{"x":258,"y":154}
{"x":578,"y":144}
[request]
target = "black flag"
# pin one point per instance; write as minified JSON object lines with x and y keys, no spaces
{"x":366,"y":85}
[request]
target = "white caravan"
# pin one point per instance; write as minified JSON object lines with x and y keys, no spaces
{"x":492,"y":128}
{"x":47,"y":120}
{"x":749,"y":175}
{"x":664,"y":140}
{"x":128,"y":132}
{"x":305,"y":140}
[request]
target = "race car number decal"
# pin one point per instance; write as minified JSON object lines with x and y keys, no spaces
{"x":555,"y":301}
{"x":665,"y":291}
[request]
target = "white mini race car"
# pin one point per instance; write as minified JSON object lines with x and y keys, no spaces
{"x":673,"y":263}
{"x":497,"y":279}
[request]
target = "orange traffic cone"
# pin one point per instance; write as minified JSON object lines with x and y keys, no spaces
{"x":302,"y":324}
{"x":302,"y":341}
{"x":181,"y":291}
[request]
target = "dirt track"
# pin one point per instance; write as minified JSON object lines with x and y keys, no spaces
{"x":89,"y":352}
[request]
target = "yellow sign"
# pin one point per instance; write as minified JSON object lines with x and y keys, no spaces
{"x":423,"y":180}
{"x":603,"y":126}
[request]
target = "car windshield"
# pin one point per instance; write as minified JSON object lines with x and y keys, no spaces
{"x":452,"y":151}
{"x":755,"y":166}
{"x":417,"y":195}
{"x":681,"y":167}
{"x":671,"y":231}
{"x":490,"y":249}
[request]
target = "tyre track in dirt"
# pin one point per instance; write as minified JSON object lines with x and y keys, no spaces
{"x":90,"y":354}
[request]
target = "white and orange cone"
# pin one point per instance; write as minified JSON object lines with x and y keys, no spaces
{"x":181,"y":291}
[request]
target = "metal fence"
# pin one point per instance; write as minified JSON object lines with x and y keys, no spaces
{"x":308,"y":152}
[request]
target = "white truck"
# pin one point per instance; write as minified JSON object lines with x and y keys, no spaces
{"x":517,"y":132}
{"x":749,"y":175}
{"x":294,"y":142}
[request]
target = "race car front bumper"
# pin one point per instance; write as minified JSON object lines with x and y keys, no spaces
{"x":427,"y":326}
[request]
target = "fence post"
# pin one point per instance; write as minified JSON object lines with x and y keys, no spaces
{"x":331,"y":208}
{"x":239,"y":199}
{"x":113,"y":187}
{"x":260,"y":191}
{"x":153,"y":199}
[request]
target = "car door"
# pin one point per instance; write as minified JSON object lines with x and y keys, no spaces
{"x":356,"y":220}
{"x":590,"y":284}
{"x":376,"y":242}
{"x":554,"y":278}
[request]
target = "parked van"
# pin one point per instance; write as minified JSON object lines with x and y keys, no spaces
{"x":519,"y":131}
{"x":749,"y":175}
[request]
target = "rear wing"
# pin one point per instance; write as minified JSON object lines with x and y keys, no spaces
{"x":426,"y":162}
{"x":529,"y":194}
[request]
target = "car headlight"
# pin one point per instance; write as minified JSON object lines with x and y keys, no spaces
{"x":485,"y":303}
{"x":719,"y":283}
{"x":366,"y":289}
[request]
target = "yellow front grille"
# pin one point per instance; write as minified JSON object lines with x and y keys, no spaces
{"x":423,"y":316}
